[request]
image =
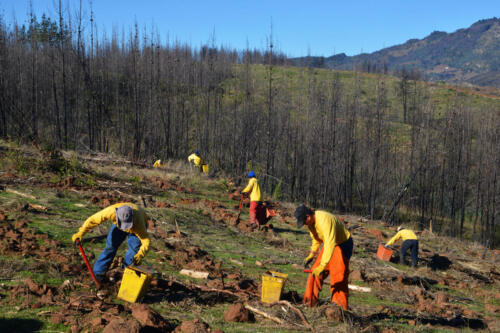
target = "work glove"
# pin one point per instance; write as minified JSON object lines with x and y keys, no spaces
{"x":386,"y":246}
{"x":76,"y":236}
{"x":309,"y":259}
{"x":137,"y":259}
{"x":317,"y":271}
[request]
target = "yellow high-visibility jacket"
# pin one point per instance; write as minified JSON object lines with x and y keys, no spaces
{"x":329,"y":231}
{"x":139,"y":228}
{"x":194,"y":159}
{"x":404,"y":234}
{"x":253,"y":185}
{"x":157,"y":164}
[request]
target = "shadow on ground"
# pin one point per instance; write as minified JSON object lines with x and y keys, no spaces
{"x":20,"y":325}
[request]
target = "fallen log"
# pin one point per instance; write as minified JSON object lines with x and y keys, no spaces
{"x":237,"y":262}
{"x":264,"y":314}
{"x":297,"y":310}
{"x":29,"y":196}
{"x":194,"y":274}
{"x":359,"y":288}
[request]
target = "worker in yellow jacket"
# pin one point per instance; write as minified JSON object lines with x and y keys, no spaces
{"x":410,"y":242}
{"x":129,"y":221}
{"x":333,"y":258}
{"x":157,"y":164}
{"x":257,"y":211}
{"x":195,"y":159}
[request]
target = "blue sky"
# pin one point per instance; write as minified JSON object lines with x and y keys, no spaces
{"x":299,"y":27}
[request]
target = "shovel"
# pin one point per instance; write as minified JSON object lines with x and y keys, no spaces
{"x":239,"y":211}
{"x":87,"y":263}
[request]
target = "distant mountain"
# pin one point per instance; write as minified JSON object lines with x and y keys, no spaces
{"x":467,"y":55}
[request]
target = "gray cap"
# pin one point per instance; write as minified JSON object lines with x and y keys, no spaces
{"x":301,"y":213}
{"x":124,"y":217}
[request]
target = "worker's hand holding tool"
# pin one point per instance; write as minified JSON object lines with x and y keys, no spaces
{"x":137,"y":259}
{"x":308,"y":260}
{"x":317,"y":271}
{"x":76,"y":236}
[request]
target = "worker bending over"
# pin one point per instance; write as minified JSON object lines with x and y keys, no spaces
{"x":195,"y":159}
{"x":257,"y":212}
{"x":158,"y":164}
{"x":332,"y":259}
{"x":410,"y":242}
{"x":129,"y":221}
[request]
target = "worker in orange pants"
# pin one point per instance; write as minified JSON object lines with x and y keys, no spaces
{"x":333,"y":259}
{"x":339,"y":265}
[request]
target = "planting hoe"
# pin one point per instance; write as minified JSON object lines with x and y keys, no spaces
{"x":310,"y":271}
{"x":239,"y":211}
{"x":87,"y":263}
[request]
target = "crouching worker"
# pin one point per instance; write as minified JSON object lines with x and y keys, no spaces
{"x":158,"y":164}
{"x":195,"y":160}
{"x":410,"y":242}
{"x":129,"y":221}
{"x":333,"y":258}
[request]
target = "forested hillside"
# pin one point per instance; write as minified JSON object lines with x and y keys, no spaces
{"x":383,"y":147}
{"x":470,"y":55}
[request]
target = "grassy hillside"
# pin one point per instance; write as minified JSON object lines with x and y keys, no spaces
{"x":466,"y":55}
{"x":45,"y":286}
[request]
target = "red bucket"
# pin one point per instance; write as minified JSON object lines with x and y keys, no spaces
{"x":384,"y":253}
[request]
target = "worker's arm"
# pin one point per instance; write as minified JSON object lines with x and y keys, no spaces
{"x":315,"y":244}
{"x":145,"y":241}
{"x":140,"y":230}
{"x":190,"y":158}
{"x":96,"y":219}
{"x":393,"y":239}
{"x":249,"y":186}
{"x":327,"y":229}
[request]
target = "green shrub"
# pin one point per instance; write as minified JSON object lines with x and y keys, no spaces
{"x":277,"y":191}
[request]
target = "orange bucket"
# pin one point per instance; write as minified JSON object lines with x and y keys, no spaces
{"x":383,"y":253}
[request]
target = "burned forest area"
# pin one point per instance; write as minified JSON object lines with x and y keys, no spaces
{"x":194,"y":226}
{"x":89,"y":120}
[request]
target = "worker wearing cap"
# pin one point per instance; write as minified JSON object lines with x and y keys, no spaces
{"x":410,"y":242}
{"x":128,"y":220}
{"x":195,"y":159}
{"x":158,"y":164}
{"x":333,"y":258}
{"x":256,"y":212}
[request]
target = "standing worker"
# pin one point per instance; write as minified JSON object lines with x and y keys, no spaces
{"x":128,"y":220}
{"x":410,"y":242}
{"x":158,"y":164}
{"x":332,"y":259}
{"x":257,"y":213}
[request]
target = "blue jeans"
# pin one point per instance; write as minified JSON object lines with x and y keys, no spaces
{"x":113,"y":241}
{"x":411,"y":244}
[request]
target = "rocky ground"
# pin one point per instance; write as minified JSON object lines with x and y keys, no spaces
{"x":45,"y":286}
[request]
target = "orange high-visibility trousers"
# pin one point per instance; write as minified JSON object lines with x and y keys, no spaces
{"x":338,"y":268}
{"x":257,"y":213}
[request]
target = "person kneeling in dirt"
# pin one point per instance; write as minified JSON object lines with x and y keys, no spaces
{"x":195,"y":160}
{"x":158,"y":164}
{"x":128,"y":220}
{"x":257,"y":212}
{"x":333,"y":258}
{"x":410,"y":242}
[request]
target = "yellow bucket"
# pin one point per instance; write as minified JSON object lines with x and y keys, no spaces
{"x":204,"y":167}
{"x":272,"y":286}
{"x":135,"y":283}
